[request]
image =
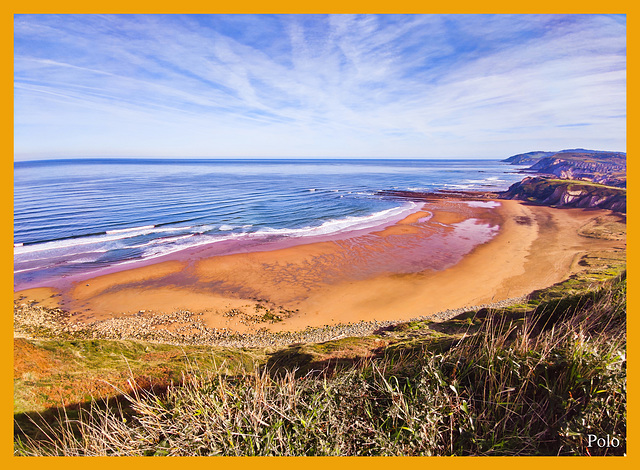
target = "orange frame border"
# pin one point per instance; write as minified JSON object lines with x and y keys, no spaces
{"x":288,"y":6}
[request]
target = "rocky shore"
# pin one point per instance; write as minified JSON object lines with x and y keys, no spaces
{"x":187,"y":328}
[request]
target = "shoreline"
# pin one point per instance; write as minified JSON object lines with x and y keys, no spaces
{"x":322,"y":284}
{"x":260,"y":241}
{"x":29,"y":318}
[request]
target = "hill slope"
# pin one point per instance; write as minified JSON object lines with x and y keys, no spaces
{"x":568,"y":193}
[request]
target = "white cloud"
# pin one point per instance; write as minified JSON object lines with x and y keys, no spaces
{"x":327,"y":86}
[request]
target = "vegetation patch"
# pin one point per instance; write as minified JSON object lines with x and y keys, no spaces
{"x":568,"y":193}
{"x":607,"y":227}
{"x":532,"y":379}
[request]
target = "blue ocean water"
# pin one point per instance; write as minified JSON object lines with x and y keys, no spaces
{"x":75,"y":216}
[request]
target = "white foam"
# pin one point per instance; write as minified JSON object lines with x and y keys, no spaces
{"x":160,"y":241}
{"x":459,"y":186}
{"x":327,"y":228}
{"x":348,"y":223}
{"x":202,"y":228}
{"x":163,"y":246}
{"x":168,"y":249}
{"x":487,"y":204}
{"x":81,"y":260}
{"x":134,"y":229}
{"x":111,"y":235}
{"x":27,"y":269}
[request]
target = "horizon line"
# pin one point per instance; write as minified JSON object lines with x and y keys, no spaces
{"x":244,"y":157}
{"x":247,"y":157}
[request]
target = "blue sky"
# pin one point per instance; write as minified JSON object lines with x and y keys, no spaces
{"x":415,"y":86}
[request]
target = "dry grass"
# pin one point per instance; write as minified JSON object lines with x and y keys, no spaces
{"x":530,"y":385}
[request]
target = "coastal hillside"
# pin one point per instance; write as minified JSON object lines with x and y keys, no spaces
{"x":536,"y":155}
{"x":573,"y":178}
{"x":568,"y":193}
{"x":527,"y":158}
{"x":601,"y":167}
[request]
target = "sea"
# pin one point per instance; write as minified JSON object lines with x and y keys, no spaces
{"x":77,"y":217}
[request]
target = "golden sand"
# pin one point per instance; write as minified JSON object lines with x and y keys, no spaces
{"x":346,"y":280}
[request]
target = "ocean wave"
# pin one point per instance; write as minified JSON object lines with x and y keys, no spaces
{"x":202,"y":228}
{"x":27,"y":270}
{"x":327,"y":228}
{"x":80,"y":248}
{"x":346,"y":224}
{"x":82,"y":260}
{"x":166,"y":249}
{"x":162,"y":241}
{"x":126,"y":230}
{"x":24,"y":257}
{"x":480,"y":182}
{"x":108,"y":236}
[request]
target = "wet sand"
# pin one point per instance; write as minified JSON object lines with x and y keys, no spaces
{"x":446,"y":256}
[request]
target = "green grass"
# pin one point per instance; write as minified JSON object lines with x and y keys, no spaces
{"x":571,"y":184}
{"x":577,"y":184}
{"x":54,"y":372}
{"x":528,"y":380}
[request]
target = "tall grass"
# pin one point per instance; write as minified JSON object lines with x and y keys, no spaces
{"x":536,"y":386}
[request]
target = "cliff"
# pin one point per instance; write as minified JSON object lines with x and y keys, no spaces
{"x":527,"y":158}
{"x":608,"y":168}
{"x":565,"y":193}
{"x":535,"y":156}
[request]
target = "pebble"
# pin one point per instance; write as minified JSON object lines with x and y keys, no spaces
{"x":35,"y":321}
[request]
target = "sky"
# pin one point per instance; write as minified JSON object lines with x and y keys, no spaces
{"x":296,"y":86}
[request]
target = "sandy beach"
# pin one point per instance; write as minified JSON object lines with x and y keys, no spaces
{"x":448,"y":255}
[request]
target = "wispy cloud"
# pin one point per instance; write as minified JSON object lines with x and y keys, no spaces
{"x":341,"y":85}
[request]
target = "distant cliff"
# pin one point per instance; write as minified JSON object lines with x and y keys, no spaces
{"x":567,"y":193}
{"x":528,"y":158}
{"x":533,"y":157}
{"x":570,"y":178}
{"x":609,"y":168}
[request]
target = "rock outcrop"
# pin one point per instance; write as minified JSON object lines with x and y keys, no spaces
{"x":567,"y":193}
